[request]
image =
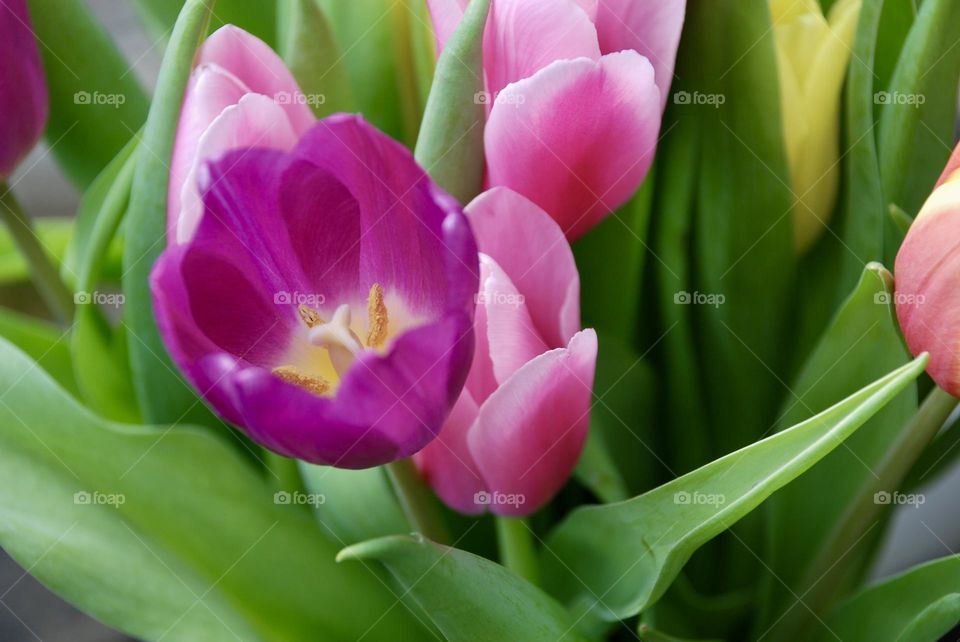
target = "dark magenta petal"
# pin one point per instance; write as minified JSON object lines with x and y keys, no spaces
{"x":278,"y":226}
{"x":23,"y":89}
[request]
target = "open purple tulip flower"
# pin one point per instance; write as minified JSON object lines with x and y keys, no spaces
{"x":325,"y":303}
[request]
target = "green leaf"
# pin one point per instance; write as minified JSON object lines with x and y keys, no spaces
{"x":54,"y":235}
{"x":45,"y":343}
{"x":450,"y":144}
{"x":259,"y":18}
{"x":616,"y":560}
{"x":162,"y":393}
{"x":918,"y":116}
{"x":920,"y":605}
{"x":861,"y":344}
{"x":468,"y":597}
{"x":180,"y":537}
{"x":308,"y":47}
{"x":358,"y":504}
{"x":100,"y":356}
{"x":96,"y":102}
{"x":650,"y":634}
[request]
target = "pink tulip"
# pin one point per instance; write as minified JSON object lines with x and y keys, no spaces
{"x":518,"y":428}
{"x":24,"y":102}
{"x":926,"y":273}
{"x":575,"y":90}
{"x":240,"y":95}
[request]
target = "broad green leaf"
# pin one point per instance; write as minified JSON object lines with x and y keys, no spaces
{"x":469,"y":598}
{"x":259,"y":17}
{"x":450,"y":144}
{"x":100,"y":357}
{"x":96,"y":102}
{"x":308,"y":47}
{"x":611,"y":259}
{"x":742,"y":232}
{"x":168,"y":533}
{"x":162,"y":394}
{"x":616,"y":560}
{"x":54,"y":235}
{"x":357,"y":504}
{"x":375,"y":38}
{"x":918,"y":115}
{"x":47,"y":344}
{"x":861,"y":344}
{"x":920,"y":605}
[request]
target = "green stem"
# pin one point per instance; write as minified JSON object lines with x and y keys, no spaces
{"x":418,"y":503}
{"x":42,"y":270}
{"x":827,"y":571}
{"x":516,"y":548}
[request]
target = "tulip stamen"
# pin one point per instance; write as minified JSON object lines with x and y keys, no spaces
{"x":377,"y":316}
{"x":339,"y":340}
{"x":311,"y":383}
{"x":309,"y":316}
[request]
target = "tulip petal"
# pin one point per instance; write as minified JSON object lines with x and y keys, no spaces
{"x":261,"y":69}
{"x":254,"y":121}
{"x":530,"y":432}
{"x":24,"y":101}
{"x":577,"y":138}
{"x":403,"y":215}
{"x":530,"y":247}
{"x":512,"y":337}
{"x":447,"y":464}
{"x":649,"y":27}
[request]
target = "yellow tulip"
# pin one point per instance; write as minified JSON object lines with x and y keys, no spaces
{"x":813,"y":52}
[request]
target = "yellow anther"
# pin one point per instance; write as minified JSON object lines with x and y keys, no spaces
{"x":377,"y":316}
{"x":309,"y":316}
{"x":311,"y":383}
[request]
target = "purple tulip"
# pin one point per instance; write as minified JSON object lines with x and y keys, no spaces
{"x":325,"y":303}
{"x":23,"y":90}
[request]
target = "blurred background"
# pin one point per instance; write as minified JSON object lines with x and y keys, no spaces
{"x":31,"y":612}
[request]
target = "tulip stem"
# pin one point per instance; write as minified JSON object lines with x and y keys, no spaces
{"x":516,"y":548}
{"x":42,"y":270}
{"x":418,"y":503}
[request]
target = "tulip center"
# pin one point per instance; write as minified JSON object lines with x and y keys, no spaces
{"x":339,"y":339}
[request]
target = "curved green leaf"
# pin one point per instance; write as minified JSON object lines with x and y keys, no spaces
{"x":199,"y":547}
{"x":450,"y":144}
{"x":162,"y":394}
{"x":469,"y":598}
{"x":96,"y":102}
{"x":45,"y":343}
{"x":920,"y":605}
{"x":614,"y":561}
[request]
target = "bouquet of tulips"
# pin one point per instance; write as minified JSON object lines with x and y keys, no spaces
{"x":483,"y":320}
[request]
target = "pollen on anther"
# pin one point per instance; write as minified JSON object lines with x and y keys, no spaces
{"x":311,"y":383}
{"x":377,"y":317}
{"x":309,"y":316}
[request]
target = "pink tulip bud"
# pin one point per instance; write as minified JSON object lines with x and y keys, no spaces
{"x":926,"y":275}
{"x":519,"y":426}
{"x":240,"y":95}
{"x":24,"y":102}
